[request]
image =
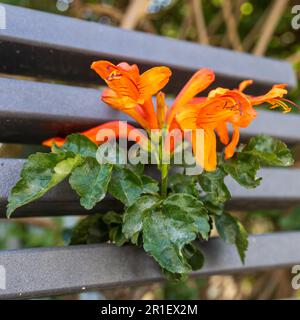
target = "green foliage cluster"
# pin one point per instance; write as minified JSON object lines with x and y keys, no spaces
{"x":165,"y":226}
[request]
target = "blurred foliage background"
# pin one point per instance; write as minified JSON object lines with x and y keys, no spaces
{"x":260,"y":27}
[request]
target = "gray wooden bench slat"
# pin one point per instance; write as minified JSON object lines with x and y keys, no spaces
{"x":64,"y":47}
{"x":272,"y":193}
{"x":33,"y":111}
{"x":52,"y":271}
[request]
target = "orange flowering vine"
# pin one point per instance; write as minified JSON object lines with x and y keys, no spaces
{"x":164,"y":218}
{"x":132,"y":93}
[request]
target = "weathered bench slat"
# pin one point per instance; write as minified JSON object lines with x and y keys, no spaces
{"x":33,"y":111}
{"x":62,"y":47}
{"x":272,"y":193}
{"x":51,"y":271}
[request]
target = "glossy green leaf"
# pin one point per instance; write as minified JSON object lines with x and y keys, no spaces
{"x":135,"y":214}
{"x":113,"y":153}
{"x":243,"y":168}
{"x":180,"y":183}
{"x":232,"y":232}
{"x":90,"y":181}
{"x":164,"y":238}
{"x":269,"y":151}
{"x":41,"y":172}
{"x":150,"y":185}
{"x":213,"y":185}
{"x":168,"y":229}
{"x":79,"y":144}
{"x":193,"y":209}
{"x":125,"y":185}
{"x":227,"y":227}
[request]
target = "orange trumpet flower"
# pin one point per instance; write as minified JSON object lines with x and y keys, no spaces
{"x":222,"y":107}
{"x":130,"y":91}
{"x":199,"y":82}
{"x":111,"y":130}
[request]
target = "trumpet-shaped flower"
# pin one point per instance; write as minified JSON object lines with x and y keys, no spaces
{"x":130,"y":91}
{"x":223,"y":107}
{"x":111,"y":130}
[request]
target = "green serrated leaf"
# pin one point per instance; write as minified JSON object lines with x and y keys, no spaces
{"x":227,"y":227}
{"x":125,"y":185}
{"x":135,"y":214}
{"x":269,"y":151}
{"x":168,"y":229}
{"x":193,"y":209}
{"x":79,"y":144}
{"x":150,"y":185}
{"x":164,"y":239}
{"x":180,"y":183}
{"x":41,"y":172}
{"x":213,"y":185}
{"x":232,"y":232}
{"x":90,"y":181}
{"x":243,"y":168}
{"x":111,"y":152}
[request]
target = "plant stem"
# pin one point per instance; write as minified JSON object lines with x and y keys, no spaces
{"x":164,"y":179}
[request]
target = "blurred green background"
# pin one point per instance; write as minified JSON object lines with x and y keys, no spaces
{"x":259,"y":27}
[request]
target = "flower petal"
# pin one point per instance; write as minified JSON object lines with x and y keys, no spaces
{"x":112,"y":129}
{"x":152,"y":81}
{"x":122,"y":79}
{"x":198,"y":148}
{"x":277,"y":91}
{"x":210,"y":150}
{"x":150,"y":114}
{"x":199,"y":82}
{"x":244,"y":84}
{"x":187,"y":118}
{"x":50,"y":142}
{"x":223,"y":132}
{"x":117,"y":102}
{"x":206,"y":155}
{"x":161,"y":109}
{"x":230,"y":149}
